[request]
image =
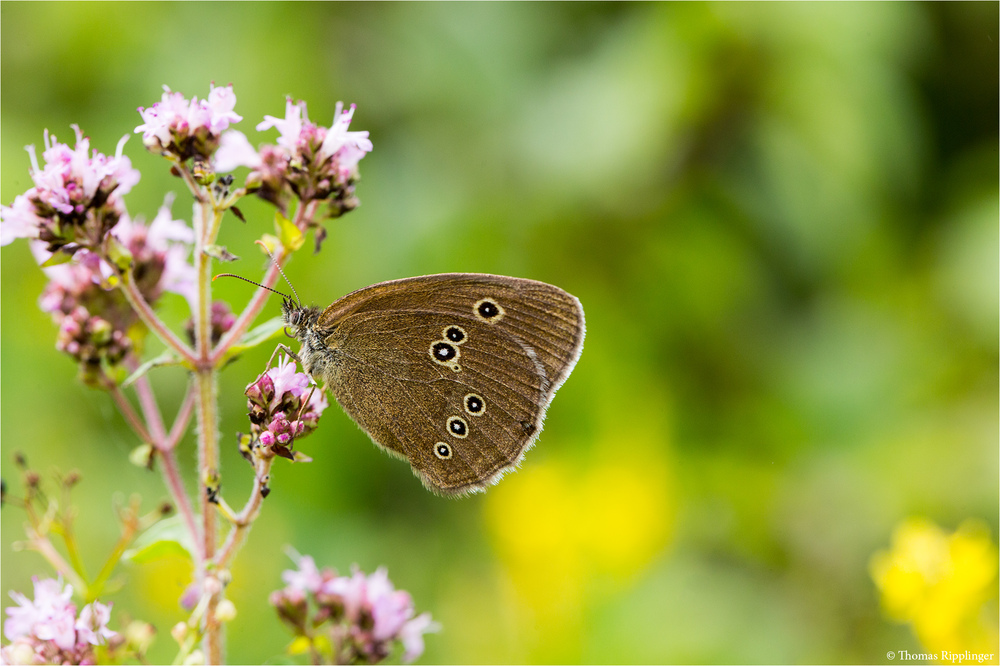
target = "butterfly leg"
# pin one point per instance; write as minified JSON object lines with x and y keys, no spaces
{"x":288,"y":350}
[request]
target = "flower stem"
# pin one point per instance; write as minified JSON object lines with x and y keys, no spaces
{"x":150,"y":409}
{"x":181,"y":420}
{"x":206,"y":376}
{"x":153,"y":322}
{"x":125,"y":407}
{"x":130,"y":526}
{"x":42,"y":545}
{"x":244,"y":520}
{"x":73,"y":550}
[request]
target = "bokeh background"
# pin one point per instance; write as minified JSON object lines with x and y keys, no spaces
{"x":782,"y":221}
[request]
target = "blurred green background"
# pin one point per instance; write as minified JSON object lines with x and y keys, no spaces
{"x":782,"y":221}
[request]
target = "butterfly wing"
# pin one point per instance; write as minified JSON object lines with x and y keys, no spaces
{"x":453,"y":372}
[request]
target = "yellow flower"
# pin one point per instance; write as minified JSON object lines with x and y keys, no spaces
{"x":941,"y":584}
{"x":567,"y":535}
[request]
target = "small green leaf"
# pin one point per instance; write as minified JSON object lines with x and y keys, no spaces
{"x":57,"y":258}
{"x":299,"y":645}
{"x":118,"y":253}
{"x":166,"y":538}
{"x":258,"y":335}
{"x":289,"y":234}
{"x":142,"y":455}
{"x":166,"y":358}
{"x":220,"y":253}
{"x":270,"y":243}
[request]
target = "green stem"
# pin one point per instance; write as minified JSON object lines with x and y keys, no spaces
{"x":130,"y":527}
{"x":205,"y":227}
{"x":42,"y":545}
{"x":243,"y":521}
{"x":73,"y":551}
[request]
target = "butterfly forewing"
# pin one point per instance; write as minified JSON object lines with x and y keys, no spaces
{"x":543,"y":317}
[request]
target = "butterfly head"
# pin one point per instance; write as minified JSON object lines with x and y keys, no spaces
{"x":297,"y":318}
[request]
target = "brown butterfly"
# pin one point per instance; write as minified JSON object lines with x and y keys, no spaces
{"x":452,"y":372}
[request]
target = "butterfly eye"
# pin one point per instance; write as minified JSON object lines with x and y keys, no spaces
{"x":474,"y":404}
{"x":488,"y":310}
{"x":446,"y":354}
{"x":455,"y":333}
{"x":442,"y":352}
{"x":458,"y":427}
{"x":442,"y":451}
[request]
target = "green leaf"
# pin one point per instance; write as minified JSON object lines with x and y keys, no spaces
{"x":270,"y":329}
{"x":142,"y":456}
{"x":118,"y":253}
{"x":166,"y":358}
{"x":56,"y":259}
{"x":166,"y":538}
{"x":219,"y":252}
{"x":289,"y":234}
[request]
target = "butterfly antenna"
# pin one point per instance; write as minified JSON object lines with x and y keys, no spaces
{"x":240,"y":277}
{"x":278,"y":266}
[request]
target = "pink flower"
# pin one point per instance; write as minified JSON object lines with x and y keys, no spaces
{"x":70,"y":281}
{"x":161,"y":250}
{"x":306,"y":579}
{"x":164,"y":117}
{"x":310,"y":162}
{"x":390,"y":612}
{"x":221,"y":102}
{"x":289,"y":127}
{"x":76,"y":198}
{"x":350,"y":591}
{"x":284,"y":405}
{"x":179,"y":275}
{"x":164,"y":229}
{"x":46,"y":630}
{"x":185,"y":129}
{"x":412,"y":636}
{"x":364,"y":615}
{"x":50,"y":617}
{"x":19,"y":220}
{"x":92,"y":626}
{"x":235,"y":151}
{"x":350,"y":147}
{"x":70,"y":179}
{"x":286,"y":378}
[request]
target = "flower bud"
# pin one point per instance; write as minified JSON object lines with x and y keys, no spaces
{"x":139,"y":635}
{"x":179,"y":632}
{"x":212,"y":585}
{"x":22,"y":653}
{"x":202,"y":171}
{"x":292,"y":607}
{"x":225,"y":611}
